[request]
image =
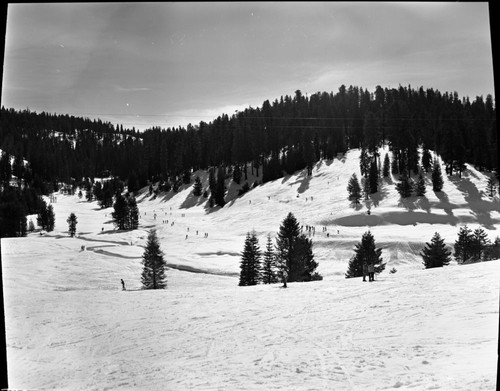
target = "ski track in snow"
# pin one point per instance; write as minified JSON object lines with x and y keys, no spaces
{"x":70,"y":327}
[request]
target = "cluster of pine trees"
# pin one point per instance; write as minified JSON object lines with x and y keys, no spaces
{"x":292,"y":254}
{"x":287,"y":134}
{"x":126,"y":213}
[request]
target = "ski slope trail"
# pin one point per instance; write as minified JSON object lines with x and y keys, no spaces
{"x":69,"y":326}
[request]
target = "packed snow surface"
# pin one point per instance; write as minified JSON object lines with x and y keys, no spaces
{"x":69,"y":326}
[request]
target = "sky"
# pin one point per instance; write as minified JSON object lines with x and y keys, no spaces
{"x":173,"y":63}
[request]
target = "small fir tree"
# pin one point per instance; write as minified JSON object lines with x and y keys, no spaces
{"x":72,"y":222}
{"x":491,"y":187}
{"x":435,"y":254}
{"x":197,"y":188}
{"x":437,"y":177}
{"x":479,"y":245}
{"x":133,"y":213}
{"x":51,"y":218}
{"x":387,"y":166}
{"x":364,"y":162}
{"x":373,"y":177}
{"x":420,"y":185}
{"x":354,"y":189}
{"x":365,"y":251}
{"x":269,"y":263}
{"x":154,"y":265}
{"x":405,"y":185}
{"x":464,"y":245}
{"x":426,"y":160}
{"x":121,"y":212}
{"x":250,"y":261}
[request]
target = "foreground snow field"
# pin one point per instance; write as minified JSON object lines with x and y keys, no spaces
{"x":69,"y":326}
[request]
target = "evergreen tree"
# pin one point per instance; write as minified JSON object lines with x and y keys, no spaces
{"x":153,"y":272}
{"x":133,"y":212}
{"x":364,"y":162}
{"x":121,"y":212}
{"x":269,"y":263}
{"x":250,"y":261}
{"x":479,"y":245}
{"x":426,"y":160}
{"x":387,"y":164}
{"x":72,"y":222}
{"x":491,"y":187}
{"x":197,"y":187}
{"x":405,"y":185}
{"x":354,"y":189}
{"x":220,"y":187}
{"x":51,"y":219}
{"x":464,"y":245}
{"x":373,"y":177}
{"x":420,"y":185}
{"x":365,"y":251}
{"x":435,"y":254}
{"x":294,"y":251}
{"x":437,"y":177}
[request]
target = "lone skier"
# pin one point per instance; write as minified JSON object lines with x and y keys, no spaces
{"x":123,"y":285}
{"x":285,"y":277}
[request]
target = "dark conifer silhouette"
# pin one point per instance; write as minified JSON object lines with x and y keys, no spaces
{"x":250,"y":261}
{"x":435,"y":254}
{"x":154,"y":266}
{"x":365,"y":251}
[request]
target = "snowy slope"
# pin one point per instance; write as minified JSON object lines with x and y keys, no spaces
{"x":69,"y":325}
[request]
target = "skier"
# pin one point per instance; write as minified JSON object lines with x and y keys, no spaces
{"x":371,"y":272}
{"x":285,"y":277}
{"x":123,"y":285}
{"x":365,"y":270}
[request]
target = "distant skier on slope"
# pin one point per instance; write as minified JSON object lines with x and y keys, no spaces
{"x":365,"y":270}
{"x":123,"y":285}
{"x":285,"y":277}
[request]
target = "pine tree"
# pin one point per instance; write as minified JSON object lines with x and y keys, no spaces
{"x":426,"y":160}
{"x":121,"y":212}
{"x":464,"y":245}
{"x":250,"y":261}
{"x":405,"y":185}
{"x":437,"y":177}
{"x":365,"y":251}
{"x":435,"y":254}
{"x":133,"y":213}
{"x":480,"y":243}
{"x":269,"y":263}
{"x":294,"y":252}
{"x":72,"y":222}
{"x":197,"y":187}
{"x":373,"y":177}
{"x":364,"y":162}
{"x":491,"y":187}
{"x":354,"y":189}
{"x":51,"y":218}
{"x":387,"y":166}
{"x":420,"y":185}
{"x":153,"y":272}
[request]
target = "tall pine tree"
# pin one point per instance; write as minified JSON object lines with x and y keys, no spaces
{"x":153,"y":272}
{"x":269,"y":263}
{"x":250,"y":261}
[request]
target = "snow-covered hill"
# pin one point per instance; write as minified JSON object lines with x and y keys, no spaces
{"x":69,"y":325}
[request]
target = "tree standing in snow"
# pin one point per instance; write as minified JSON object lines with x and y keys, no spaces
{"x":437,"y":177}
{"x":365,"y":251}
{"x":269,"y":263}
{"x":435,"y":254}
{"x":153,"y":273}
{"x":72,"y":222}
{"x":354,"y":189}
{"x":250,"y":261}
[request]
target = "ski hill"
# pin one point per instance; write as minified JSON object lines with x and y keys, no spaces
{"x":69,"y":325}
